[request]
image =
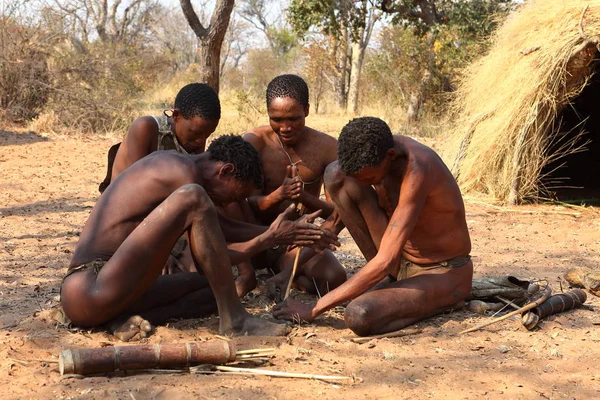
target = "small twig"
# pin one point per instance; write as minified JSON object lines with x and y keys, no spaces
{"x":18,"y":361}
{"x":398,"y":333}
{"x":252,"y":371}
{"x":508,"y":302}
{"x":316,"y":287}
{"x":521,"y":310}
{"x":253,"y":351}
{"x":289,"y":285}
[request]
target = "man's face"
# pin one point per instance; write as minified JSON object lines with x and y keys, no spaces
{"x":193,"y":133}
{"x":369,"y":175}
{"x":226,"y":189}
{"x":287,"y":118}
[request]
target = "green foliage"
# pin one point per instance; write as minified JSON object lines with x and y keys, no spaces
{"x":331,"y":17}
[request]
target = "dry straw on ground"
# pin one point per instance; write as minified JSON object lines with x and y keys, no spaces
{"x":508,"y":102}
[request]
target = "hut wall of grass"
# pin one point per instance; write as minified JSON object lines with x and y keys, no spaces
{"x":508,"y":105}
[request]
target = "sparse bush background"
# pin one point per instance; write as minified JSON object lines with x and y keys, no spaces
{"x":61,"y":72}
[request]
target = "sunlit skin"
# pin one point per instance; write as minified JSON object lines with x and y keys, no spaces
{"x":312,"y":151}
{"x":135,"y":224}
{"x":142,"y":138}
{"x":409,"y":206}
{"x":287,"y":119}
{"x":192,"y":133}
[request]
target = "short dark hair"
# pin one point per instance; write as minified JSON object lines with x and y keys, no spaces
{"x":233,"y":149}
{"x":198,"y":100}
{"x":288,"y":85}
{"x":363,"y":142}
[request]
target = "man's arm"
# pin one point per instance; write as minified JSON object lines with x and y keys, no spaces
{"x":282,"y":232}
{"x":139,"y":139}
{"x":313,"y":203}
{"x":413,"y":193}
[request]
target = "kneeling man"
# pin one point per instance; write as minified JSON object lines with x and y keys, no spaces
{"x":115,"y":272}
{"x":404,"y":209}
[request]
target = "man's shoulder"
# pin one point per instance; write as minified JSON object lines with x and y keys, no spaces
{"x":257,"y":137}
{"x":321,"y":136}
{"x":144,"y":127}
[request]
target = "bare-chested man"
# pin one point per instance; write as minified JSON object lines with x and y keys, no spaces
{"x":193,"y":119}
{"x":114,"y":272}
{"x":294,"y":158}
{"x":404,"y":209}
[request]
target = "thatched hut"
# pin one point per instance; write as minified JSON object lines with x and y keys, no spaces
{"x":527,"y":115}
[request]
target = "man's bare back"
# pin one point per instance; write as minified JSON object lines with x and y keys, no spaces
{"x":186,"y":129}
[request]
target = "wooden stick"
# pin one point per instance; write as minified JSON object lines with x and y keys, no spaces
{"x":398,"y":333}
{"x":289,"y":285}
{"x":300,"y":208}
{"x":508,"y":302}
{"x":266,"y":372}
{"x":253,"y":351}
{"x":545,"y":296}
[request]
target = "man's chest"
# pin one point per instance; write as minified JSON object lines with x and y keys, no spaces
{"x":275,"y":163}
{"x":388,"y":194}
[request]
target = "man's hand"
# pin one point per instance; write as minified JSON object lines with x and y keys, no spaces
{"x":300,"y":232}
{"x":293,"y":310}
{"x":291,"y":188}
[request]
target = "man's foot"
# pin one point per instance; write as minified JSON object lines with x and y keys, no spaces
{"x":131,"y":329}
{"x":254,"y":326}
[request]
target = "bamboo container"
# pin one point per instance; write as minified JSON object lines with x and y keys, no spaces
{"x":163,"y":356}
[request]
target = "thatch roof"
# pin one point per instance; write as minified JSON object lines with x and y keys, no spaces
{"x":507,"y":104}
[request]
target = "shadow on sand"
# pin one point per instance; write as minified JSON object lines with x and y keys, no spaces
{"x":8,"y":138}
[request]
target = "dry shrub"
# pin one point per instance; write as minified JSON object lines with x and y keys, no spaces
{"x":99,"y":89}
{"x":507,"y":103}
{"x":24,"y":75}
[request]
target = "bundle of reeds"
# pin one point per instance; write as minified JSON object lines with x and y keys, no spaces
{"x":507,"y":103}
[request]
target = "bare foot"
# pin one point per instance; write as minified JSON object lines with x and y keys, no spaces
{"x":131,"y":329}
{"x":254,"y":326}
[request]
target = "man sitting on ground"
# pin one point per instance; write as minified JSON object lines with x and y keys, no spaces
{"x":195,"y":117}
{"x":294,"y":158}
{"x":114,"y":274}
{"x":404,"y":209}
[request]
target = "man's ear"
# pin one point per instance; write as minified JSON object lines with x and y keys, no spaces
{"x":392,"y":153}
{"x":227,"y":169}
{"x":175,"y":114}
{"x":306,"y":109}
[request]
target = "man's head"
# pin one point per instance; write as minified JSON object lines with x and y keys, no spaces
{"x":239,"y":169}
{"x":287,"y":106}
{"x":366,"y":149}
{"x":196,"y":116}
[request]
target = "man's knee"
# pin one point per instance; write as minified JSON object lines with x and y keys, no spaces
{"x":357,"y":316}
{"x":333,"y":177}
{"x":194,"y":197}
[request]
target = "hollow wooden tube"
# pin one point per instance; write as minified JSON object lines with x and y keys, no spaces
{"x":163,"y":356}
{"x":554,"y":305}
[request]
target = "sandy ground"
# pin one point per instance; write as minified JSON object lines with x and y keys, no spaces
{"x":49,"y":185}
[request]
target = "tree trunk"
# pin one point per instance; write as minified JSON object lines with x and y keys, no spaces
{"x":210,"y":39}
{"x":417,"y":97}
{"x":358,"y":56}
{"x":355,"y":70}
